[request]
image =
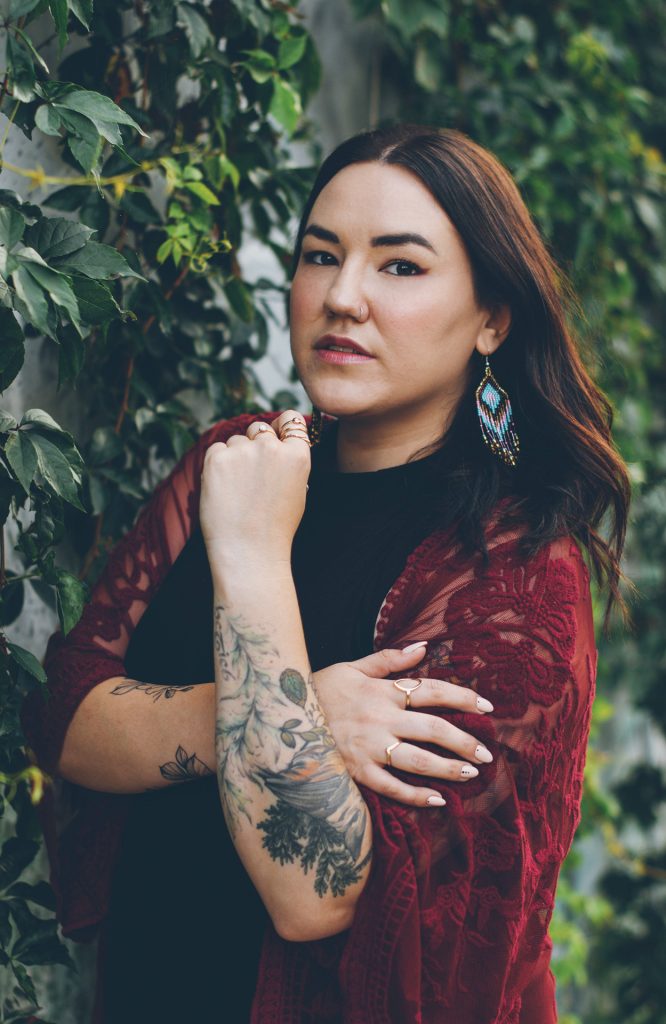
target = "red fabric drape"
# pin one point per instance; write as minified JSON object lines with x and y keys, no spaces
{"x":452,"y":926}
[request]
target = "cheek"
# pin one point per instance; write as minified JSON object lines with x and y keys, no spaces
{"x":303,"y":301}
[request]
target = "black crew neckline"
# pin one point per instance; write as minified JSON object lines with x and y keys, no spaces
{"x":324,"y":464}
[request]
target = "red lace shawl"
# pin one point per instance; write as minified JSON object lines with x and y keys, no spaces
{"x":452,"y":927}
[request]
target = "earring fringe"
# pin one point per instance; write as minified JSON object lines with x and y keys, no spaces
{"x":496,"y":419}
{"x":314,"y":430}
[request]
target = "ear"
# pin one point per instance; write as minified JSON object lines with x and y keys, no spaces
{"x":494,"y":330}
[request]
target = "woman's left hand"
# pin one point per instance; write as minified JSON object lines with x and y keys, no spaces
{"x":253,"y":491}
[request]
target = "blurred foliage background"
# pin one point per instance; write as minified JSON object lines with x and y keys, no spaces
{"x":173,"y":122}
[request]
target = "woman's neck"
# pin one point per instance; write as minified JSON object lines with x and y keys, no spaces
{"x":365,"y":448}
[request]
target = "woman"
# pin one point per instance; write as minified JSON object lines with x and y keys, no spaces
{"x":465,"y":462}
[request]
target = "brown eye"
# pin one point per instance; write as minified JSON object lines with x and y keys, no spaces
{"x":319,"y":258}
{"x":403,"y":268}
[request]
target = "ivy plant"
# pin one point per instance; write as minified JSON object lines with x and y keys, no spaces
{"x":171,"y":121}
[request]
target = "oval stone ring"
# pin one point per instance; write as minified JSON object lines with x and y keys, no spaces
{"x":407,"y":690}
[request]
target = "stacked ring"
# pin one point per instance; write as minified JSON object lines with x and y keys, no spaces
{"x":295,"y":427}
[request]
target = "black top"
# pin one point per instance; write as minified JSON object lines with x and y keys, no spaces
{"x":184,"y":933}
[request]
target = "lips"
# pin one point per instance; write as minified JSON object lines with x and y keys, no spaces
{"x":336,"y":342}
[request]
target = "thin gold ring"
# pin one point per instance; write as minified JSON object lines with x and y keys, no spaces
{"x":302,"y":435}
{"x":296,"y":419}
{"x":389,"y":750}
{"x":263,"y":428}
{"x":408,"y":691}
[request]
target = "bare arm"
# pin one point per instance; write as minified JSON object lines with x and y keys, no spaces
{"x":295,"y":815}
{"x":127,"y":736}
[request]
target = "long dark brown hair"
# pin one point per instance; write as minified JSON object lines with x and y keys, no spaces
{"x":570,"y":478}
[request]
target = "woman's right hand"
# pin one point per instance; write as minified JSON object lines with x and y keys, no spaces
{"x":366,"y":714}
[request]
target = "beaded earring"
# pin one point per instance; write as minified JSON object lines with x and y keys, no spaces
{"x":314,"y":430}
{"x":496,"y":418}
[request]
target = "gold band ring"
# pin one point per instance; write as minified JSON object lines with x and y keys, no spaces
{"x":302,"y":435}
{"x":389,"y":750}
{"x":407,"y":690}
{"x":263,"y":428}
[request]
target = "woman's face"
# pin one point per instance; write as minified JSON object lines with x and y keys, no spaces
{"x":383,"y":266}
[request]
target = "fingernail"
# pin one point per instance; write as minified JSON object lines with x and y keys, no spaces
{"x":435,"y":801}
{"x":412,"y":647}
{"x":484,"y":705}
{"x":483,"y":754}
{"x":468,"y":771}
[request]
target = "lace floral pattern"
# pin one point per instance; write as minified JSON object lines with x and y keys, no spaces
{"x":452,"y":926}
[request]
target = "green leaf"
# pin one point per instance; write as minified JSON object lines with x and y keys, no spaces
{"x":285,"y":105}
{"x":291,"y":50}
{"x":60,"y":12}
{"x":71,"y":597}
{"x":83,"y":10}
{"x":101,"y":110}
{"x":22,"y":457}
{"x":12,"y":350}
{"x":7,"y":421}
{"x":138,"y":207}
{"x":96,"y":303}
{"x":17,"y":853}
{"x":69,"y":199}
{"x":412,"y":16}
{"x":11,"y":226}
{"x":42,"y":419}
{"x":261,"y":58}
{"x":20,"y":69}
{"x":164,"y":250}
{"x":196,"y":28}
{"x":105,"y":446}
{"x":40,"y":893}
{"x":85,"y":142}
{"x":32,"y":296}
{"x":48,"y":120}
{"x":71,"y":355}
{"x":25,"y":982}
{"x":33,"y":52}
{"x":38,"y":941}
{"x":56,"y":237}
{"x":57,"y":470}
{"x":293,"y":687}
{"x":19,"y":8}
{"x":5,"y":926}
{"x":203,"y":192}
{"x":240,"y":299}
{"x":227,"y":168}
{"x":287,"y":738}
{"x":59,"y":289}
{"x":292,"y":723}
{"x":11,"y":599}
{"x":99,"y":262}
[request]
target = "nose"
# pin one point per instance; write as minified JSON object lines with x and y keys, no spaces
{"x":344,"y":298}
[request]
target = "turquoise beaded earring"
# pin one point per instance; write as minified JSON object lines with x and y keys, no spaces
{"x":496,"y":418}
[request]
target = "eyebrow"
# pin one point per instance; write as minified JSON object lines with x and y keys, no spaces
{"x":404,"y":238}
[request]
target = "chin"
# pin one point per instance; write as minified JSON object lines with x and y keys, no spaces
{"x":339,"y":401}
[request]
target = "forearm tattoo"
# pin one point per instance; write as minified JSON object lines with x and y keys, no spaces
{"x":150,"y":689}
{"x":185,"y":768}
{"x":270,"y":733}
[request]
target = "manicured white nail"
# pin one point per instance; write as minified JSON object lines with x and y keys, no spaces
{"x":412,"y":647}
{"x":484,"y":705}
{"x":483,"y":754}
{"x":468,"y":771}
{"x":435,"y":801}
